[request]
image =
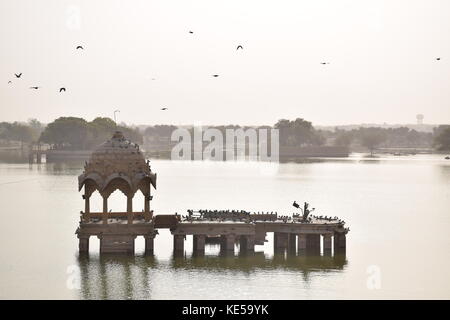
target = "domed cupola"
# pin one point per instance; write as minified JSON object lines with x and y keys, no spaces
{"x":117,"y":164}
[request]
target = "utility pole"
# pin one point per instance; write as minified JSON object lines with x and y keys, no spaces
{"x":115,"y":116}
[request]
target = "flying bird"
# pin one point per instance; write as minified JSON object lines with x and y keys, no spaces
{"x":191,"y":32}
{"x":239,"y":47}
{"x":324,"y":63}
{"x":34,"y":88}
{"x":438,"y":59}
{"x":80,"y":47}
{"x":164,"y":109}
{"x":18,"y":75}
{"x":62,"y":89}
{"x":215,"y":75}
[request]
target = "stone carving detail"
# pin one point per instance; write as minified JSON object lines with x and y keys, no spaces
{"x":117,"y":164}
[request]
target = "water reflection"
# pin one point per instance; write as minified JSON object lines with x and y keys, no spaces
{"x":65,"y":168}
{"x":131,"y":277}
{"x":115,"y":277}
{"x":13,"y":156}
{"x":252,"y":262}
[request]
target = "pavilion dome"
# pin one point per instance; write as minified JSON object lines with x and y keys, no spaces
{"x":117,"y":164}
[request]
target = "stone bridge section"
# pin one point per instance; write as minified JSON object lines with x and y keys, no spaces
{"x":229,"y":233}
{"x":293,"y":237}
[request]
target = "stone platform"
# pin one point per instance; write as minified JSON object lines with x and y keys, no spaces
{"x":116,"y":237}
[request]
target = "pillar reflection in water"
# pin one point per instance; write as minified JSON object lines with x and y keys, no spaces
{"x":115,"y":277}
{"x":134,"y":277}
{"x":255,"y":262}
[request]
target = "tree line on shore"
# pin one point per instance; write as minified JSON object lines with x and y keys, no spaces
{"x":74,"y":133}
{"x":300,"y":132}
{"x":69,"y":133}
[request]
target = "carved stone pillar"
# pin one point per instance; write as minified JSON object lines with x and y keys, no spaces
{"x":105,"y":209}
{"x":327,"y":244}
{"x":313,"y":244}
{"x":178,"y":243}
{"x":227,"y":244}
{"x":147,"y":203}
{"x":199,"y":244}
{"x":280,"y":241}
{"x":340,"y":242}
{"x":83,"y":244}
{"x":130,"y":209}
{"x":87,"y":208}
{"x":301,"y":242}
{"x":149,"y":242}
{"x":247,"y":243}
{"x":147,"y":207}
{"x":292,"y":242}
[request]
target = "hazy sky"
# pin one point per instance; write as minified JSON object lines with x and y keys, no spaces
{"x":382,"y":56}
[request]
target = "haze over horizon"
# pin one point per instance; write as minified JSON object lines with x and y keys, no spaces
{"x":382,"y":61}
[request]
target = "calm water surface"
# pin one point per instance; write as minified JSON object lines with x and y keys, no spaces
{"x":397,"y":208}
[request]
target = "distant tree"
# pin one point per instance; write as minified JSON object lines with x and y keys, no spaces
{"x":5,"y":131}
{"x":35,"y":123}
{"x":439,"y":129}
{"x":412,"y":137}
{"x":22,"y":132}
{"x":77,"y":133}
{"x":298,"y":132}
{"x":371,"y":138}
{"x":132,"y":134}
{"x":100,"y":130}
{"x":442,"y":140}
{"x":343,"y":138}
{"x":159,"y":131}
{"x":106,"y":123}
{"x":36,"y":128}
{"x":66,"y":132}
{"x":18,"y":132}
{"x":317,"y":138}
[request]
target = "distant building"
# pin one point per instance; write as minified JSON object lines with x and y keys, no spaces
{"x":419,"y":118}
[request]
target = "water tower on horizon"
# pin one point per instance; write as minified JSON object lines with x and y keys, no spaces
{"x":419,"y":118}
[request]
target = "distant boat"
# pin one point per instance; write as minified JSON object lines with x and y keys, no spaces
{"x":447,"y":158}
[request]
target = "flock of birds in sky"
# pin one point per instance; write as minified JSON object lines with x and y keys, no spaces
{"x":63,"y":89}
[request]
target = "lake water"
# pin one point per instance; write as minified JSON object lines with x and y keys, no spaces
{"x":397,"y":208}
